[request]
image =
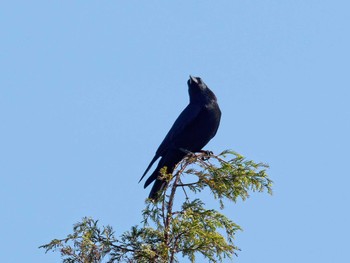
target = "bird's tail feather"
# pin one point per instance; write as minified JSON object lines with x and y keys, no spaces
{"x":152,"y":177}
{"x":170,"y":161}
{"x":157,"y":189}
{"x":159,"y":184}
{"x":149,"y":166}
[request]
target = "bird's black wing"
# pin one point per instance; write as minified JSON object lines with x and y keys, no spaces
{"x":185,"y":118}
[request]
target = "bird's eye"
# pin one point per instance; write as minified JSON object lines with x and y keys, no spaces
{"x":199,"y":80}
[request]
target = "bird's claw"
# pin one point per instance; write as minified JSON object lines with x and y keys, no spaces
{"x":206,"y":155}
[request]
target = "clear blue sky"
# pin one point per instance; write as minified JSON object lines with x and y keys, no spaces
{"x":88,"y":89}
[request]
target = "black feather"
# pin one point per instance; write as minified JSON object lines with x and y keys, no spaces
{"x":193,"y":129}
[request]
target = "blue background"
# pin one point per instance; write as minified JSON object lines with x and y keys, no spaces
{"x":88,"y":89}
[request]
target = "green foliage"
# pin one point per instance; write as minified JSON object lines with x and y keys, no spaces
{"x":166,"y":233}
{"x":231,"y":179}
{"x":88,"y":243}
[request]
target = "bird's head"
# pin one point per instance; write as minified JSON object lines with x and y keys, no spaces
{"x":198,"y":90}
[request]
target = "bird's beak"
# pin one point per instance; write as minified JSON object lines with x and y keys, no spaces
{"x":193,"y":79}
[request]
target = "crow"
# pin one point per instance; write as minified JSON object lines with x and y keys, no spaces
{"x":193,"y":129}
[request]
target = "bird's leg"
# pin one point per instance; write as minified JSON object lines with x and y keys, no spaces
{"x":186,"y":151}
{"x":205,"y":153}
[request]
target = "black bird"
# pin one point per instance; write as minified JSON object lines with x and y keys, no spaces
{"x":192,"y":130}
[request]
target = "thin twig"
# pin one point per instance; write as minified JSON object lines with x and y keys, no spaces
{"x":188,"y":184}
